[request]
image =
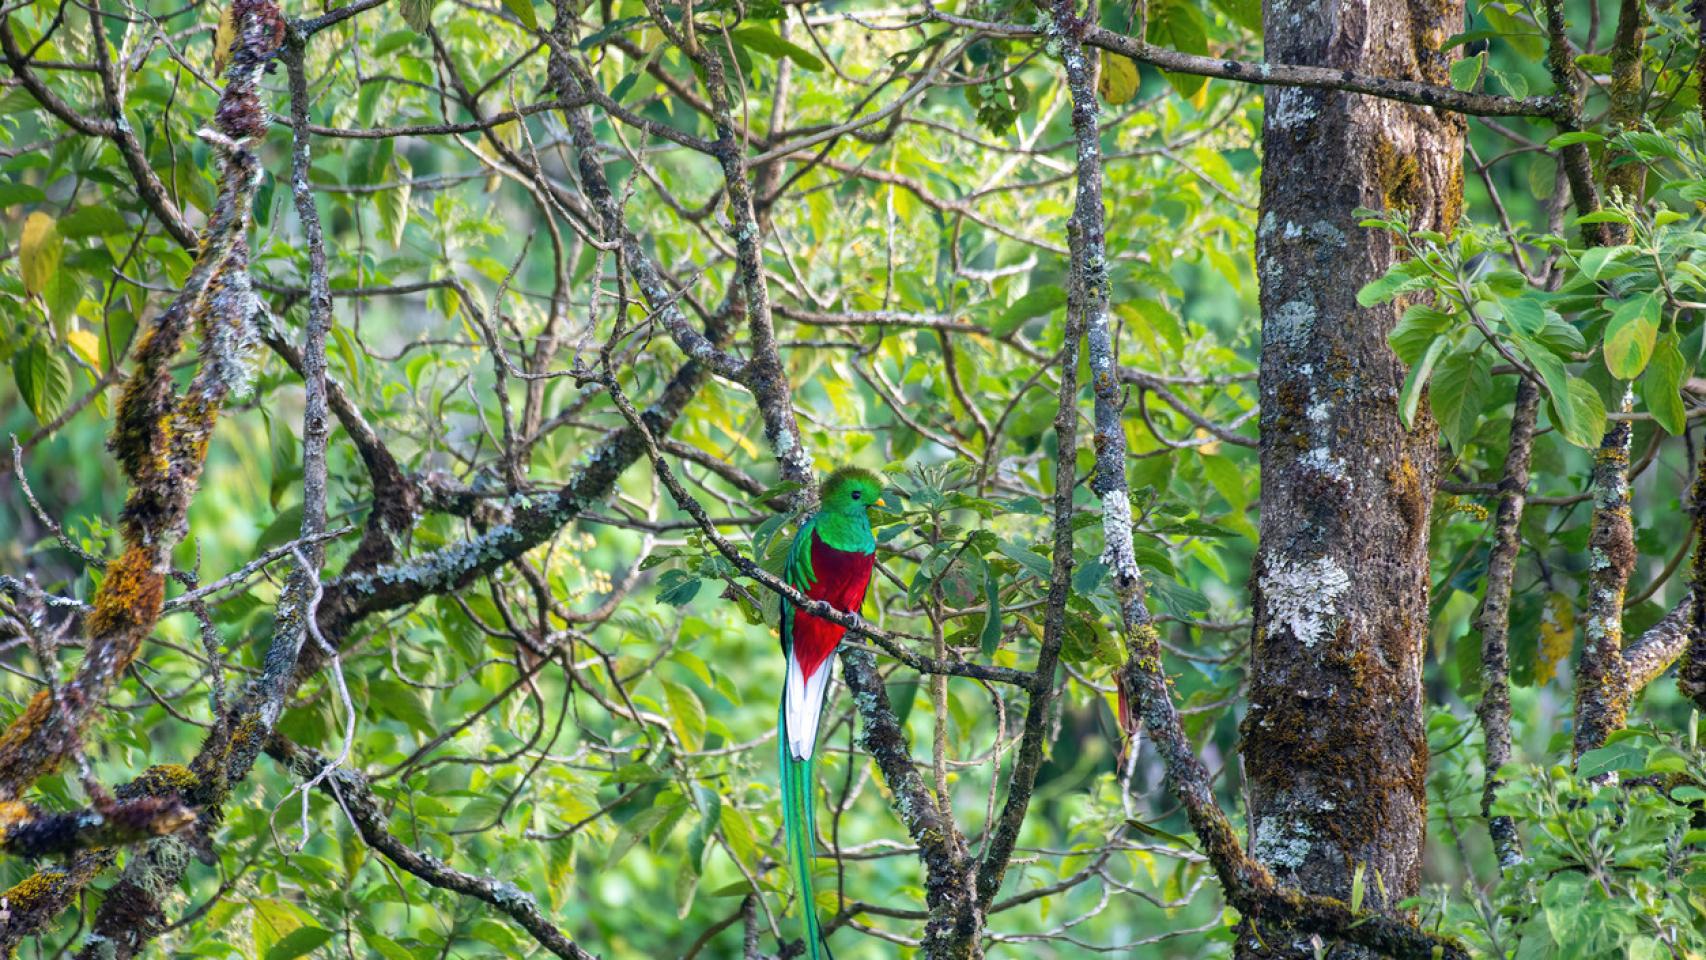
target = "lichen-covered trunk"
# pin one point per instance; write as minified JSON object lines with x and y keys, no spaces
{"x":1334,"y":739}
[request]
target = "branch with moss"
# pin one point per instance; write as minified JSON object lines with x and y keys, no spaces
{"x":160,"y":437}
{"x":1086,"y":307}
{"x":1691,"y":675}
{"x":1494,"y":620}
{"x":1602,"y":678}
{"x":28,"y":831}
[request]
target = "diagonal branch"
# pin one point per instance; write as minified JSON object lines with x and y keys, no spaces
{"x":351,"y":792}
{"x":1277,"y":74}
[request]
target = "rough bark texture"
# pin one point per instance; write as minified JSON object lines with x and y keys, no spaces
{"x":1602,"y":678}
{"x":1494,"y":620}
{"x":1334,"y":740}
{"x":1691,"y":672}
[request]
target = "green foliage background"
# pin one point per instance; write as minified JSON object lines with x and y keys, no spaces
{"x":641,"y":837}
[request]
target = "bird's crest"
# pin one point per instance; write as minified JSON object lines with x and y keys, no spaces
{"x":843,"y":477}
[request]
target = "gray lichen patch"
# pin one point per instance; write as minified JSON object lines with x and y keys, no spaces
{"x":1282,"y":843}
{"x":1305,"y":597}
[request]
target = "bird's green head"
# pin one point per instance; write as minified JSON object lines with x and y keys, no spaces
{"x":851,"y":490}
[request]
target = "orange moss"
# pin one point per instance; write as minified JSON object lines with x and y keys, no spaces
{"x":25,"y":726}
{"x":34,"y":888}
{"x":130,"y":596}
{"x":1409,"y":496}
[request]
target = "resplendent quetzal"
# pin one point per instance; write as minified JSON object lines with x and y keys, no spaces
{"x":830,"y":560}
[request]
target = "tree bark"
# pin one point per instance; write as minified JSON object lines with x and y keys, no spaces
{"x":1334,"y":739}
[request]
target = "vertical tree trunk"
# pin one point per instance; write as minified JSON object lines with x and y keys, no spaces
{"x":1334,"y":741}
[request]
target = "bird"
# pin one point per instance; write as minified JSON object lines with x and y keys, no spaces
{"x":830,"y":559}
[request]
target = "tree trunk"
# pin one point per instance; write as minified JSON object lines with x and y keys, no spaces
{"x":1334,"y":740}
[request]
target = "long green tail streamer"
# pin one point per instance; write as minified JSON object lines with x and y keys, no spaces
{"x":799,"y":823}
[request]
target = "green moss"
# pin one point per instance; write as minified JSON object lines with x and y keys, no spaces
{"x":165,"y":778}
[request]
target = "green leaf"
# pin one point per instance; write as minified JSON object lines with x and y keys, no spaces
{"x":299,"y":943}
{"x":686,"y":713}
{"x":1574,"y":137}
{"x":710,"y":811}
{"x":1417,"y":330}
{"x":393,"y":699}
{"x":1035,"y":563}
{"x":1402,"y":277}
{"x":990,"y":637}
{"x":641,"y":824}
{"x":285,"y":527}
{"x":1613,"y":759}
{"x":1561,"y":338}
{"x":1461,"y":386}
{"x":1038,"y":302}
{"x":1153,"y":317}
{"x":1527,"y":314}
{"x":1592,"y":262}
{"x":42,"y":379}
{"x":1465,"y":72}
{"x":1606,"y":216}
{"x":1580,"y":418}
{"x":1245,"y":13}
{"x":1662,"y":385}
{"x":1410,"y":396}
{"x":418,"y":14}
{"x":761,"y":40}
{"x":1542,"y":176}
{"x":12,"y":194}
{"x":677,"y":587}
{"x":1227,"y":480}
{"x":1514,"y":83}
{"x":1587,"y":409}
{"x":385,"y":946}
{"x":1524,"y":38}
{"x":1159,"y":834}
{"x":1630,"y":335}
{"x":1179,"y":25}
{"x":902,"y":695}
{"x":64,"y":291}
{"x":523,"y":10}
{"x":92,"y":222}
{"x":393,"y":204}
{"x":1118,"y":81}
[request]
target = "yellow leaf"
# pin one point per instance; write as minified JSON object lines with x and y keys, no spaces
{"x":223,"y":38}
{"x":39,"y":251}
{"x":1118,"y":82}
{"x":1557,"y":635}
{"x":85,"y":345}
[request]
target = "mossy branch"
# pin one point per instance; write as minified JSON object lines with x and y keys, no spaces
{"x":160,"y":437}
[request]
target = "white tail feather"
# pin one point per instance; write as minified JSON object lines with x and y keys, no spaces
{"x":803,"y":705}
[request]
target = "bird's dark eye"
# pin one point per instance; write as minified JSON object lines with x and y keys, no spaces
{"x":855,"y":494}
